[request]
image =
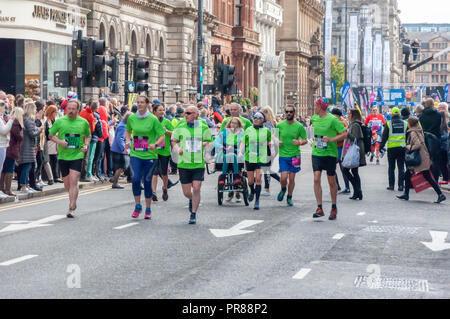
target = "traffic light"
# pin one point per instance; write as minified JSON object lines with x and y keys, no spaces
{"x":218,"y":77}
{"x":228,"y":79}
{"x":96,"y":63}
{"x":114,"y":73}
{"x":140,"y":75}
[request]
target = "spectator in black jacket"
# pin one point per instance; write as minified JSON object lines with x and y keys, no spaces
{"x":430,"y":120}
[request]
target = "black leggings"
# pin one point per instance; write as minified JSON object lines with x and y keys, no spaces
{"x":267,"y":177}
{"x":444,"y":165}
{"x":427,"y":176}
{"x":353,"y":177}
{"x":54,"y":165}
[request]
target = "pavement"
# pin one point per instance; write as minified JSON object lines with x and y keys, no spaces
{"x":377,"y":248}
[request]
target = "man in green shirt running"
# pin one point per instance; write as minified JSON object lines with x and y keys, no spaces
{"x":189,"y":140}
{"x":72,"y":134}
{"x":292,"y":134}
{"x":328,"y":130}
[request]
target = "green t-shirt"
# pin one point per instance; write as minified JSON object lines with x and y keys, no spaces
{"x":329,"y":126}
{"x":288,"y":132}
{"x":244,"y":121}
{"x":191,"y":142}
{"x":165,"y":149}
{"x":144,"y":133}
{"x":73,"y":131}
{"x":256,"y":144}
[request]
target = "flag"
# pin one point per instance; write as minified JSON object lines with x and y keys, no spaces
{"x":345,"y":94}
{"x":333,"y":90}
{"x":446,"y":93}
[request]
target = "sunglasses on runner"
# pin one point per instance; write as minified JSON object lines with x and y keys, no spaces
{"x":188,"y":113}
{"x":289,"y":112}
{"x":259,"y":118}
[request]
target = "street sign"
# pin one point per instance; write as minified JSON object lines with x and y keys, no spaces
{"x":62,"y":79}
{"x":397,"y":95}
{"x":215,"y":49}
{"x":131,"y":87}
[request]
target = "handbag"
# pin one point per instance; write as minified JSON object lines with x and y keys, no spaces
{"x":419,"y":182}
{"x":351,"y":157}
{"x":412,"y":158}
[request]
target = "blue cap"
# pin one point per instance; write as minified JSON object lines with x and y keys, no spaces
{"x":156,"y":101}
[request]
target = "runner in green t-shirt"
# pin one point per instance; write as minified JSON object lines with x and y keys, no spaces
{"x":189,"y":140}
{"x":73,"y":135}
{"x":235,"y":110}
{"x":292,"y":135}
{"x":328,"y":130}
{"x":163,"y":153}
{"x":257,"y":139}
{"x":147,"y":134}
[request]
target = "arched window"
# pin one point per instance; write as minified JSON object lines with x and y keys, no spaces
{"x":133,"y":43}
{"x":102,"y":32}
{"x":148,"y":46}
{"x":112,"y":39}
{"x":161,"y":48}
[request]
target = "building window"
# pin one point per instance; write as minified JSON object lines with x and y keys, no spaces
{"x":425,"y":79}
{"x":33,"y":68}
{"x":443,"y":67}
{"x":443,"y":79}
{"x":435,"y":67}
{"x":238,"y":13}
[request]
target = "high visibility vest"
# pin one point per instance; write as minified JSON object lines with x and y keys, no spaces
{"x":397,"y":134}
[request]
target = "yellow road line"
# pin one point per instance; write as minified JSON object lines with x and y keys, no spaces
{"x":53,"y":199}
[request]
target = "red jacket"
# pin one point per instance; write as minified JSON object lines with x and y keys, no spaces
{"x":105,"y":128}
{"x":88,"y":115}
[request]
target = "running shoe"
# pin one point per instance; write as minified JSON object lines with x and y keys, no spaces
{"x":290,"y":202}
{"x":319,"y":213}
{"x":154,"y":198}
{"x":371,"y":158}
{"x":137,"y":211}
{"x":172,"y":184}
{"x":69,"y":215}
{"x":148,"y":213}
{"x":192,"y":219}
{"x":333,"y":214}
{"x":165,"y":196}
{"x":345,"y":191}
{"x":378,"y":162}
{"x":441,"y":198}
{"x":251,"y":196}
{"x":117,"y":186}
{"x":230,"y":196}
{"x":281,"y":195}
{"x":256,"y":205}
{"x":238,"y":198}
{"x":265,"y":193}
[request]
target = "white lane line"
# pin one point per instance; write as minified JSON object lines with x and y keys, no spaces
{"x":361,"y":214}
{"x":17,"y":260}
{"x":125,"y":226}
{"x":338,"y":236}
{"x":302,"y":273}
{"x":373,"y":221}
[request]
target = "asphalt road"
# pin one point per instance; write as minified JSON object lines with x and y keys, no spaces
{"x":373,"y":250}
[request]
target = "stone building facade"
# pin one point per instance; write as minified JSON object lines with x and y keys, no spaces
{"x":300,"y":37}
{"x":238,"y":40}
{"x":271,"y":68}
{"x":162,"y":32}
{"x":383,"y":17}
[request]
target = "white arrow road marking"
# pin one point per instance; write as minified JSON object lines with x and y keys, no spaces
{"x":338,"y":236}
{"x":17,"y":260}
{"x":125,"y":226}
{"x":437,"y":241}
{"x":373,"y":221}
{"x":236,"y":230}
{"x":361,"y":214}
{"x":302,"y":273}
{"x":27,"y":225}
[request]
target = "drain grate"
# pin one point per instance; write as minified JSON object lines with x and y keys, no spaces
{"x":418,"y":285}
{"x":392,"y":229}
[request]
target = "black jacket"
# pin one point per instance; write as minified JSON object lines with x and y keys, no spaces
{"x":98,"y":132}
{"x":431,"y":121}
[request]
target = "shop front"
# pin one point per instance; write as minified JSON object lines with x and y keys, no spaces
{"x":35,"y":41}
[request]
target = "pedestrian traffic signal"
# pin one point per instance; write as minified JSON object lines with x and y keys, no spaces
{"x":114,"y":73}
{"x":140,"y":75}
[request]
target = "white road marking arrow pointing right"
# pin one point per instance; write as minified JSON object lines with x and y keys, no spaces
{"x":21,"y":225}
{"x":236,"y":230}
{"x":437,"y":241}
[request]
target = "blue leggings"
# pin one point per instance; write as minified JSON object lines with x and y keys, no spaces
{"x":230,"y":158}
{"x":142,"y":170}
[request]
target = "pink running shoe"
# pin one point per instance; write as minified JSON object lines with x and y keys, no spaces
{"x":137,"y":211}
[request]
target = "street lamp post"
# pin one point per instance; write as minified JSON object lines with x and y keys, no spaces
{"x":192,"y":90}
{"x":163,"y":88}
{"x":177,"y":90}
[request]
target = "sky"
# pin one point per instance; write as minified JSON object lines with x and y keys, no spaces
{"x":421,"y":11}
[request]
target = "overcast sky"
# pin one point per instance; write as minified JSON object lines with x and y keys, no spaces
{"x":421,"y":11}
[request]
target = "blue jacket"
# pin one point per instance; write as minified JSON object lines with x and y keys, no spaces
{"x":118,"y":146}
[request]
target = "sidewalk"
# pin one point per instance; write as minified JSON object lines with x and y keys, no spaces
{"x":56,"y":188}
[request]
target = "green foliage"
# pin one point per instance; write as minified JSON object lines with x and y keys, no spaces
{"x":337,"y":74}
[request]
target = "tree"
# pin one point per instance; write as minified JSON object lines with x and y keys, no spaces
{"x":337,"y":74}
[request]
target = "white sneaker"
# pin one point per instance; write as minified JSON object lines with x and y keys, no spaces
{"x":265,"y":193}
{"x":3,"y":195}
{"x":42,"y":184}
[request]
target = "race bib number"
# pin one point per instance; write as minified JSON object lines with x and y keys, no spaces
{"x":297,"y":161}
{"x":320,"y":144}
{"x":140,"y":143}
{"x":193,"y":145}
{"x":73,"y":141}
{"x":162,"y":146}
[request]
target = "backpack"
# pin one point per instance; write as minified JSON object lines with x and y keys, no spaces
{"x":367,"y":138}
